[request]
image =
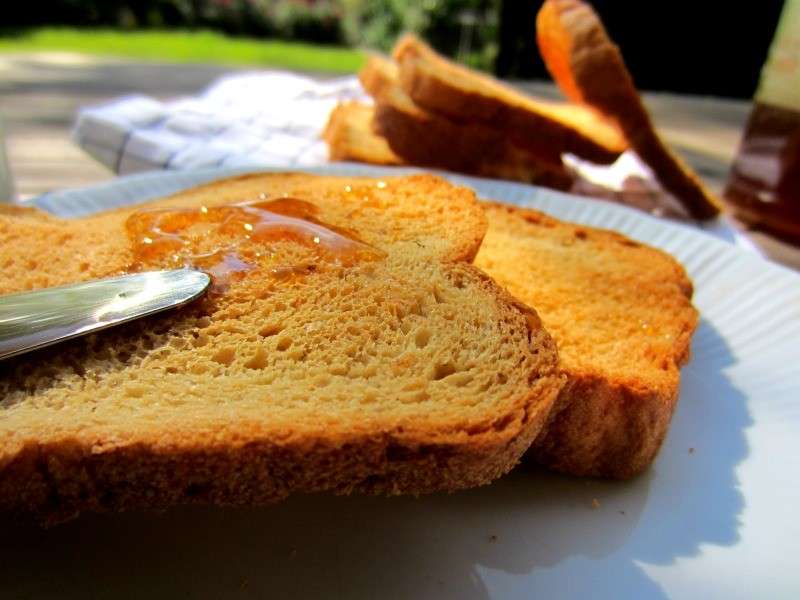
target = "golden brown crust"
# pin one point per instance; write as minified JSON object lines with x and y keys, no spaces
{"x":589,"y":69}
{"x":543,"y":128}
{"x":604,"y":430}
{"x":57,"y":481}
{"x":612,"y":415}
{"x":24,"y":212}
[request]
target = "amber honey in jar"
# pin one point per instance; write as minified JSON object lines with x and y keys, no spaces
{"x":764,"y":184}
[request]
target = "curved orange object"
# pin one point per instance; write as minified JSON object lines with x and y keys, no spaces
{"x":590,"y":70}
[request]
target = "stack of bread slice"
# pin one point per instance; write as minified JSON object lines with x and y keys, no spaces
{"x":432,"y":112}
{"x":425,"y":123}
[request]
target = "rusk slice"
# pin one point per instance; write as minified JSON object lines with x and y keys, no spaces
{"x":427,"y":139}
{"x":461,"y":94}
{"x":622,"y":318}
{"x":349,"y":136}
{"x":404,"y":371}
{"x":589,"y":69}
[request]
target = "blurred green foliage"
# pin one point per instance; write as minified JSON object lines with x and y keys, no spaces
{"x":186,"y":46}
{"x":318,"y":21}
{"x":463,"y":28}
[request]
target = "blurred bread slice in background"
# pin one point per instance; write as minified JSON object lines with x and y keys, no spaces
{"x":350,"y":136}
{"x":543,"y":127}
{"x":590,"y":70}
{"x":423,"y":138}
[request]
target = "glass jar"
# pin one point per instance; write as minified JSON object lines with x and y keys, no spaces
{"x":764,"y":183}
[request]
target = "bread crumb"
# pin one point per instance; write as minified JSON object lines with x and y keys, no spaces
{"x":595,"y":503}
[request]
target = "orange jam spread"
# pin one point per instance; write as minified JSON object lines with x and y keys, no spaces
{"x":231,"y":240}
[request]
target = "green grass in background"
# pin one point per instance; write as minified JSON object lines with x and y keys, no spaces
{"x":186,"y":46}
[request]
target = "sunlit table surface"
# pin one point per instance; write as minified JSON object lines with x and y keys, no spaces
{"x":40,"y":93}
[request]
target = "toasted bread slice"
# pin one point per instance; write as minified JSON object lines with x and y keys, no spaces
{"x":407,"y":371}
{"x":542,"y":127}
{"x":425,"y":139}
{"x":350,"y":136}
{"x":622,"y":318}
{"x":589,"y":69}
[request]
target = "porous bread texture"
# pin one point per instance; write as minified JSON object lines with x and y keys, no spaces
{"x":426,"y":139}
{"x":589,"y":69}
{"x":349,"y":136}
{"x":622,"y":317}
{"x":409,"y":374}
{"x":544,"y":128}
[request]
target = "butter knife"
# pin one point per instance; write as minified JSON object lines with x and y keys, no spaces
{"x":33,"y":320}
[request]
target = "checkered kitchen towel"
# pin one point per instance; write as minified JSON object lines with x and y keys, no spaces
{"x":244,"y":120}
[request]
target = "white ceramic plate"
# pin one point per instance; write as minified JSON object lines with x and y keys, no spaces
{"x":714,"y":518}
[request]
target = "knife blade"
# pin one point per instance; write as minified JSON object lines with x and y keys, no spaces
{"x":33,"y":320}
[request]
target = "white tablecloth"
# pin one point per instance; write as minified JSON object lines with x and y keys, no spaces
{"x":243,"y":120}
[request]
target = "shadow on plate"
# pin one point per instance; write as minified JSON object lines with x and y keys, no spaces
{"x":529,"y":533}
